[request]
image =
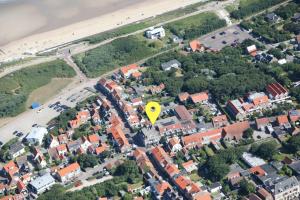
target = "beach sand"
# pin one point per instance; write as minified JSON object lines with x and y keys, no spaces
{"x":40,"y":25}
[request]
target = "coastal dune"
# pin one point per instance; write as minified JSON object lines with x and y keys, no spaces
{"x":69,"y":20}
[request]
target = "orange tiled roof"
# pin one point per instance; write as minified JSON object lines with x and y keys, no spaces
{"x":187,"y":164}
{"x":220,"y":118}
{"x":101,"y":149}
{"x":183,"y":96}
{"x":93,"y":138}
{"x":162,"y":187}
{"x":124,"y":70}
{"x":172,"y":169}
{"x":261,"y":100}
{"x":62,"y":147}
{"x":236,"y":130}
{"x":119,"y":136}
{"x":199,"y":97}
{"x":262,"y":121}
{"x":282,"y":119}
{"x":21,"y":186}
{"x":195,"y":45}
{"x":160,"y":155}
{"x":198,"y":138}
{"x":11,"y":168}
{"x":258,"y":171}
{"x":173,"y":141}
{"x":182,"y":182}
{"x":202,"y":196}
{"x":69,"y":169}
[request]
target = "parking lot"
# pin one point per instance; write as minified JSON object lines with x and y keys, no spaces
{"x":226,"y":37}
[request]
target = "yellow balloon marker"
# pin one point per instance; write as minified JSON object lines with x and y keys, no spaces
{"x":153,"y":110}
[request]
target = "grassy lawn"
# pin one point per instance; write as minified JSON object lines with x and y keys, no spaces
{"x":119,"y":52}
{"x":195,"y":177}
{"x":249,"y":7}
{"x":54,"y":87}
{"x":197,"y":25}
{"x":17,"y":86}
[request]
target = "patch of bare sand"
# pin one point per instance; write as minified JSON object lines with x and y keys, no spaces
{"x":44,"y":93}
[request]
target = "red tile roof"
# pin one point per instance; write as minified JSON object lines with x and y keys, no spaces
{"x":282,"y":119}
{"x":93,"y":138}
{"x":276,"y":89}
{"x":261,"y":100}
{"x":183,"y":96}
{"x":162,"y":187}
{"x":262,"y":121}
{"x":119,"y":136}
{"x":199,"y":97}
{"x":130,"y":68}
{"x":69,"y":169}
{"x":183,"y":113}
{"x":236,"y":130}
{"x":195,"y":45}
{"x":198,"y":138}
{"x":171,"y":169}
{"x":202,"y":196}
{"x":160,"y":155}
{"x":257,"y":171}
{"x":219,"y":119}
{"x":11,"y":168}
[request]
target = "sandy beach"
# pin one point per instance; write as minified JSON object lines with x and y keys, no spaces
{"x":34,"y":28}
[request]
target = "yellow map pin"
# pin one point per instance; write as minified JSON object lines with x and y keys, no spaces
{"x":153,"y":111}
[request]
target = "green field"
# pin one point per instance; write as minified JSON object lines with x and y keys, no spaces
{"x":128,"y":50}
{"x":119,"y":52}
{"x":17,"y":86}
{"x":249,"y":7}
{"x":197,"y":25}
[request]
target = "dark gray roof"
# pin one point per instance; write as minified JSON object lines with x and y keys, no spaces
{"x":269,"y":169}
{"x":171,"y":64}
{"x":285,"y":185}
{"x":295,"y":166}
{"x":14,"y":148}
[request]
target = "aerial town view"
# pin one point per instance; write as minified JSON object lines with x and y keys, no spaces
{"x":150,"y":99}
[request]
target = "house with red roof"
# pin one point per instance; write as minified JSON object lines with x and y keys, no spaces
{"x":195,"y":45}
{"x":189,"y":166}
{"x":183,"y":97}
{"x":81,"y":118}
{"x":156,"y":89}
{"x":127,"y":71}
{"x":277,"y":92}
{"x":283,"y":121}
{"x":199,"y":97}
{"x":171,"y":169}
{"x":294,"y":115}
{"x":69,"y":173}
{"x":220,"y":121}
{"x":174,"y":144}
{"x":39,"y":158}
{"x":160,"y":156}
{"x":120,"y":139}
{"x":201,"y":138}
{"x":235,"y":131}
{"x":94,"y":139}
{"x":241,"y":108}
{"x":182,"y":113}
{"x":262,"y":123}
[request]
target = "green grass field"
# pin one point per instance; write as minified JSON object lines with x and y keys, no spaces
{"x":197,"y":25}
{"x":119,"y":52}
{"x":17,"y":86}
